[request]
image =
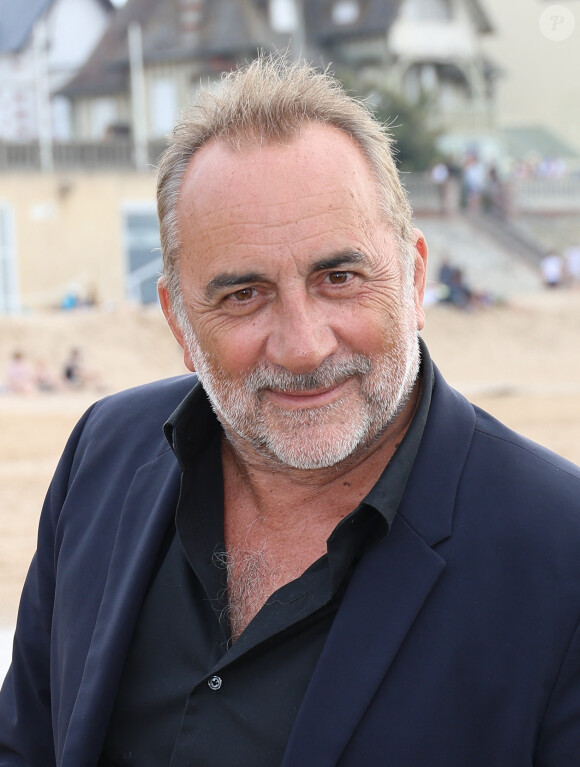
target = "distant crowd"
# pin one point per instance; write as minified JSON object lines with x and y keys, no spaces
{"x":557,"y":271}
{"x":483,"y":188}
{"x":452,"y":288}
{"x":480,"y":187}
{"x":562,"y":269}
{"x":25,"y":376}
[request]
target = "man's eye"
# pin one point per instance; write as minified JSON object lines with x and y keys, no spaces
{"x":243,"y":294}
{"x":338,"y":278}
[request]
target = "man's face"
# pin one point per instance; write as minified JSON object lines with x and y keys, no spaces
{"x":298,"y":319}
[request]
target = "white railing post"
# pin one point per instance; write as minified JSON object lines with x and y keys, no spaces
{"x":42,"y":89}
{"x":138,"y":103}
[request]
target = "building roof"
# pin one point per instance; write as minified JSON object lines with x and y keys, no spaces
{"x":233,"y":28}
{"x":367,"y":18}
{"x":324,"y":22}
{"x":480,"y":16}
{"x":106,"y":70}
{"x":227,"y":29}
{"x":17,"y":20}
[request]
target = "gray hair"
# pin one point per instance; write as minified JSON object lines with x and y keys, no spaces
{"x":271,"y":99}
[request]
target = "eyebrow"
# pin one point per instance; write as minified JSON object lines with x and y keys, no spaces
{"x":226,"y":280}
{"x":340,"y":259}
{"x":231,"y":280}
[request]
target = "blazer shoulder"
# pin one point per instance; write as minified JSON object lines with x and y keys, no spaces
{"x":148,"y":405}
{"x":531,"y":456}
{"x":528,"y":493}
{"x":128,"y":426}
{"x":458,"y":421}
{"x":469,"y":463}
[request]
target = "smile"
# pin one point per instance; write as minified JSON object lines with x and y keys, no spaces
{"x":306,"y":399}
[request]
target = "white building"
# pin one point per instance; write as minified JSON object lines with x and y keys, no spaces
{"x":417,"y":48}
{"x":43,"y":44}
{"x":410,"y":46}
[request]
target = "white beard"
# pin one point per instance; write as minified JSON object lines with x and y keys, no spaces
{"x":313,"y":438}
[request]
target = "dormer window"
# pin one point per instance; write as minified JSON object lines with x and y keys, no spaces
{"x":284,"y":16}
{"x":345,"y":12}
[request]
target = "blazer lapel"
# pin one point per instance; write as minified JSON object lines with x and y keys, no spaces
{"x":147,"y":511}
{"x":387,"y":590}
{"x":384,"y":596}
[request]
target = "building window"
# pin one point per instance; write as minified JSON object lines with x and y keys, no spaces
{"x":163,"y":110}
{"x":345,"y":12}
{"x":9,"y":299}
{"x":142,"y":252}
{"x":103,"y":115}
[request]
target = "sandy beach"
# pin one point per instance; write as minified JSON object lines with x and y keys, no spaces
{"x":521,"y":362}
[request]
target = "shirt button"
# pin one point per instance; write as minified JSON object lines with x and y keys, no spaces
{"x":214,"y":682}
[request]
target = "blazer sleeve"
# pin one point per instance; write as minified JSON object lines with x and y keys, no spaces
{"x":559,"y":737}
{"x":26,"y":732}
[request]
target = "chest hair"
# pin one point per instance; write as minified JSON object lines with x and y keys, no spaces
{"x":254,"y":573}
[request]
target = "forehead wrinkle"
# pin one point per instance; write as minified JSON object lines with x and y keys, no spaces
{"x":253,"y":207}
{"x":238,"y":226}
{"x":242,"y":232}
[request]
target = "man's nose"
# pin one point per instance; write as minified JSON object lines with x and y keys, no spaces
{"x":301,"y":337}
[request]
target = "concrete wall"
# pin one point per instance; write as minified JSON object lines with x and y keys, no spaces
{"x":68,"y":233}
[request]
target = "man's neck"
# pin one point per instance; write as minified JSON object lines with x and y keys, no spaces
{"x":277,"y":519}
{"x":281,"y":495}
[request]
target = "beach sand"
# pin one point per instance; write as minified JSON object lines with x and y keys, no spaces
{"x":521,"y":362}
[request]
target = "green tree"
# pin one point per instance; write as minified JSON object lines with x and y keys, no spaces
{"x":409,"y":123}
{"x":416,"y":141}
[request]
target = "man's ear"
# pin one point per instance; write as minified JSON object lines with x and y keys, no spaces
{"x":169,"y":314}
{"x":420,"y":277}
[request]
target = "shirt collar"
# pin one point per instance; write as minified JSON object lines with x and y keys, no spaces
{"x":191,"y":426}
{"x":386,"y":493}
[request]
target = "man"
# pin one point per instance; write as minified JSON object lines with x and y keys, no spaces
{"x":331,"y":558}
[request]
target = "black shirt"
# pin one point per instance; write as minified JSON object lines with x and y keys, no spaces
{"x":187,"y":695}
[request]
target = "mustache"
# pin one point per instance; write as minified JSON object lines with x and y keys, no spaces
{"x":329,"y":373}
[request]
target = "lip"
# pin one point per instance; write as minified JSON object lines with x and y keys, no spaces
{"x":303,"y":400}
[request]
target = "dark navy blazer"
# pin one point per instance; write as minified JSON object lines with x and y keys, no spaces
{"x":457,"y":643}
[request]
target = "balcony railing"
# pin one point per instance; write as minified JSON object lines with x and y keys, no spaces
{"x":479,"y":119}
{"x":545,"y":195}
{"x":79,"y":155}
{"x":537,"y":195}
{"x":531,"y":195}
